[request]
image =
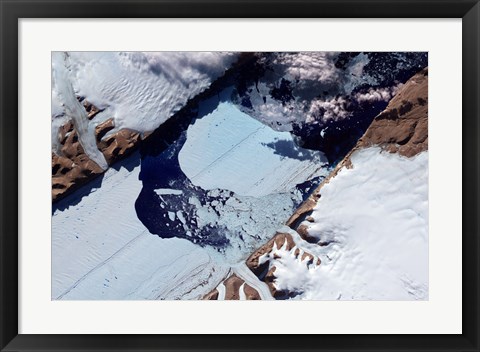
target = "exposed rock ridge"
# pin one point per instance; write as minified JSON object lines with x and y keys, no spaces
{"x":403,"y":126}
{"x":73,"y":168}
{"x":233,"y":286}
{"x":264,"y":260}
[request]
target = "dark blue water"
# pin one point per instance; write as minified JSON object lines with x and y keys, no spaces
{"x":159,"y":153}
{"x":160,"y":169}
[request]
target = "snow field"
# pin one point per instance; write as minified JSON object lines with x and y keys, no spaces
{"x":373,"y":219}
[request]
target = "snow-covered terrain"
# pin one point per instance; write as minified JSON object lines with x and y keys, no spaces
{"x":372,"y":225}
{"x":215,"y":181}
{"x":73,"y":109}
{"x":139,"y":90}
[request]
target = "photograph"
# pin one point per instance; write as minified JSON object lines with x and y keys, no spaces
{"x":239,"y":176}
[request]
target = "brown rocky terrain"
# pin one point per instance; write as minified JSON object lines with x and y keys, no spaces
{"x":72,"y":168}
{"x":265,"y":271}
{"x":232,"y":290}
{"x":91,"y":109}
{"x":401,"y":128}
{"x":119,"y":144}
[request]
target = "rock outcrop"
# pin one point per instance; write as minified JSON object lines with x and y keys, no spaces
{"x":262,"y":261}
{"x":232,"y":286}
{"x":211,"y":296}
{"x":117,"y":145}
{"x":72,"y":168}
{"x":403,"y":126}
{"x":91,"y":109}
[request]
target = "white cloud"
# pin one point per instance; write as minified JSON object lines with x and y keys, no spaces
{"x":377,"y":94}
{"x":313,"y":66}
{"x":324,"y":110}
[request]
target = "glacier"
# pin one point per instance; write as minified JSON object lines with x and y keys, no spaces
{"x":139,"y":90}
{"x":230,"y":150}
{"x":100,"y":250}
{"x":174,"y":221}
{"x":103,"y":247}
{"x":376,"y":251}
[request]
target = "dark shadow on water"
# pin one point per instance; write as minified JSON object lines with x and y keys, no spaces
{"x":288,"y":149}
{"x":335,"y":138}
{"x":171,"y":214}
{"x":210,"y":105}
{"x":129,"y":163}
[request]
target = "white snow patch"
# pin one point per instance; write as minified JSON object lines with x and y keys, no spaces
{"x":294,"y":272}
{"x":241,"y":293}
{"x":221,"y":291}
{"x":243,"y":272}
{"x":374,"y":221}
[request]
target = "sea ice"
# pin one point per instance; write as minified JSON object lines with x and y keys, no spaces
{"x":228,"y":149}
{"x":100,"y":250}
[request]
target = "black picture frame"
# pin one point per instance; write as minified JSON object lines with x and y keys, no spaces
{"x":13,"y":10}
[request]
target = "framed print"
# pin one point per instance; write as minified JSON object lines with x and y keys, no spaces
{"x":163,"y":163}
